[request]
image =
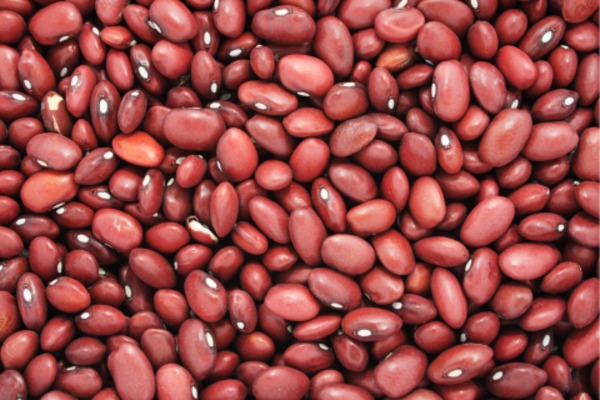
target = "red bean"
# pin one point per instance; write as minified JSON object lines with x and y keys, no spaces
{"x":370,"y":324}
{"x":280,"y":381}
{"x":291,"y":301}
{"x":128,"y":360}
{"x":515,"y":380}
{"x":449,"y":91}
{"x":406,"y":360}
{"x":459,"y":364}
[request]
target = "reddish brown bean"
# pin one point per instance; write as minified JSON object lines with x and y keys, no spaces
{"x":449,"y":91}
{"x":132,"y":372}
{"x":280,"y":381}
{"x":459,"y":364}
{"x":515,"y":380}
{"x":369,"y":324}
{"x":406,"y":360}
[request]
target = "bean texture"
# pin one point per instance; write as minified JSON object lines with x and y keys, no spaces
{"x":361,"y":199}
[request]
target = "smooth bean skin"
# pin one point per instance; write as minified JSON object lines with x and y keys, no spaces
{"x":426,"y":202}
{"x":394,"y":252}
{"x":515,"y":380}
{"x":131,"y":372}
{"x":497,"y":212}
{"x":293,"y":302}
{"x":348,"y":253}
{"x":370,"y":324}
{"x":517,"y":67}
{"x":175,"y":382}
{"x":47,"y":34}
{"x":450,"y":91}
{"x":280,"y":381}
{"x":334,"y":289}
{"x":449,"y":298}
{"x":406,"y":360}
{"x":459,"y":364}
{"x":441,"y":251}
{"x":539,"y":258}
{"x":333,"y":44}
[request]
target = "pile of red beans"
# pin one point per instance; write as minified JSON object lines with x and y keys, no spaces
{"x":296,"y":199}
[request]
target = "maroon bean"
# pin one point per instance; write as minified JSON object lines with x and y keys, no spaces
{"x":399,"y":25}
{"x":309,"y":357}
{"x":334,"y":290}
{"x":449,"y":91}
{"x":449,"y":298}
{"x":126,"y":360}
{"x":584,"y":163}
{"x":46,"y":33}
{"x":434,"y":337}
{"x":526,"y":261}
{"x":459,"y":364}
{"x":40,"y":374}
{"x":437,"y":42}
{"x":369,"y":324}
{"x":333,"y":44}
{"x":280,"y":381}
{"x":489,"y":209}
{"x":515,"y":380}
{"x":517,"y":67}
{"x":297,"y":301}
{"x":18,"y":349}
{"x":406,"y":360}
{"x":457,"y":17}
{"x":100,"y":320}
{"x":511,"y":300}
{"x":179,"y":125}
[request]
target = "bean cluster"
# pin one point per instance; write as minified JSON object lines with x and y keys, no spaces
{"x":297,"y":199}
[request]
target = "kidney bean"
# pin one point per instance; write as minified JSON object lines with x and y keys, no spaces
{"x":369,"y":324}
{"x":511,"y":300}
{"x":584,"y":163}
{"x":399,"y":25}
{"x":78,"y":381}
{"x":437,"y":42}
{"x":457,"y":17}
{"x":280,"y":380}
{"x":459,"y":364}
{"x":41,"y":28}
{"x":406,"y":360}
{"x":305,"y":75}
{"x":333,"y":44}
{"x":434,"y":337}
{"x":40,"y":374}
{"x":515,"y":380}
{"x":118,"y":229}
{"x":449,"y":79}
{"x":334,"y":290}
{"x":299,"y":304}
{"x":100,"y":320}
{"x":577,"y":11}
{"x":309,"y":357}
{"x":543,"y":313}
{"x":317,"y":328}
{"x":31,"y":301}
{"x":126,"y":360}
{"x":84,"y":351}
{"x":487,"y":210}
{"x":179,"y":125}
{"x":449,"y":298}
{"x":18,"y":349}
{"x":67,"y":295}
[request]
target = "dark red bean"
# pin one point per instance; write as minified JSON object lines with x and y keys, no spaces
{"x":459,"y":364}
{"x":280,"y":381}
{"x":127,"y":360}
{"x":406,"y":360}
{"x":515,"y":380}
